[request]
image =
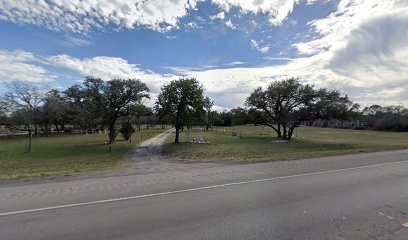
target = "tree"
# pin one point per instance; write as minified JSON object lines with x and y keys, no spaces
{"x":83,"y":110}
{"x":25,"y":101}
{"x":162,"y":119}
{"x":332,"y":105}
{"x":372,"y":110}
{"x":280,"y":103}
{"x":208,"y":104}
{"x":391,"y":122}
{"x":3,"y":107}
{"x":226,"y":118}
{"x":121,"y":98}
{"x":239,"y":116}
{"x":4,"y":111}
{"x":54,"y":112}
{"x":388,"y":118}
{"x":141,"y":115}
{"x":102,"y":103}
{"x":179,"y":99}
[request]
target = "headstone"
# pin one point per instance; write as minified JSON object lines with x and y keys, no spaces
{"x":201,"y":136}
{"x":186,"y":135}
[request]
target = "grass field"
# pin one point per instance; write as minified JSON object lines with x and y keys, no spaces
{"x":307,"y":142}
{"x":66,"y":154}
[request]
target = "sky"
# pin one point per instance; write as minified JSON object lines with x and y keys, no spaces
{"x":231,"y":46}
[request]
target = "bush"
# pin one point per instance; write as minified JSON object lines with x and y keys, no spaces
{"x":127,"y":131}
{"x":391,"y":123}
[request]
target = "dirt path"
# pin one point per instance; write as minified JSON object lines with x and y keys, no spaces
{"x":150,"y":149}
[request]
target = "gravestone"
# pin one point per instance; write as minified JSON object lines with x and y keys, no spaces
{"x":186,"y":135}
{"x":201,"y":136}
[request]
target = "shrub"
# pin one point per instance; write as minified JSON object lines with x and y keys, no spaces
{"x":127,"y":131}
{"x":391,"y":123}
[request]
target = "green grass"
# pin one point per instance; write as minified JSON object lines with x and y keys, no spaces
{"x":57,"y":155}
{"x":310,"y":142}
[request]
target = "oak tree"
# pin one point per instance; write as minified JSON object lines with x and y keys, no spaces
{"x":179,"y":100}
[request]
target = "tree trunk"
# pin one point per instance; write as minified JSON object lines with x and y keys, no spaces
{"x":47,"y":130}
{"x":279,"y":131}
{"x":285,"y":132}
{"x":290,"y":133}
{"x":112,"y":134}
{"x":30,"y":140}
{"x":56,"y":127}
{"x":35,"y":130}
{"x":177,"y":135}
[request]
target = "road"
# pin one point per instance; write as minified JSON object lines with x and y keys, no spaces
{"x":363,"y":196}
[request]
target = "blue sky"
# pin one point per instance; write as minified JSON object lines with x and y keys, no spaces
{"x":231,"y":46}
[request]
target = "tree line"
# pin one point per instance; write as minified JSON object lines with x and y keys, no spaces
{"x":287,"y":104}
{"x":117,"y":105}
{"x":113,"y":106}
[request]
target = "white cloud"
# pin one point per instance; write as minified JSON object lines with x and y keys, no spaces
{"x":336,"y":29}
{"x":109,"y":68}
{"x":257,"y":46}
{"x":220,"y":15}
{"x":377,"y":50}
{"x":361,"y":48}
{"x":22,"y":66}
{"x":278,"y":58}
{"x":101,"y":66}
{"x":209,"y":66}
{"x":392,"y":92}
{"x":264,"y":49}
{"x":82,"y":16}
{"x":230,"y":87}
{"x":192,"y":25}
{"x":230,"y":24}
{"x":364,"y":43}
{"x":75,"y":42}
{"x":235,"y":63}
{"x":278,"y":10}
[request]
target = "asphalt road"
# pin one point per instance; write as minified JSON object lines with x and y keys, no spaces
{"x":361,"y":196}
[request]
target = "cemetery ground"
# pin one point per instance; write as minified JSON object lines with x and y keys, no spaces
{"x":66,"y":154}
{"x":257,"y":143}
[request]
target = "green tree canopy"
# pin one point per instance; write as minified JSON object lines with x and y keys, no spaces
{"x":279,"y":105}
{"x":180,"y":100}
{"x":110,"y":100}
{"x":331,"y":104}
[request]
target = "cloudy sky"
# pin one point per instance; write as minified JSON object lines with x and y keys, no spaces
{"x":231,"y":46}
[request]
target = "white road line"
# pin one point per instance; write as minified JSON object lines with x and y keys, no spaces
{"x":190,"y":189}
